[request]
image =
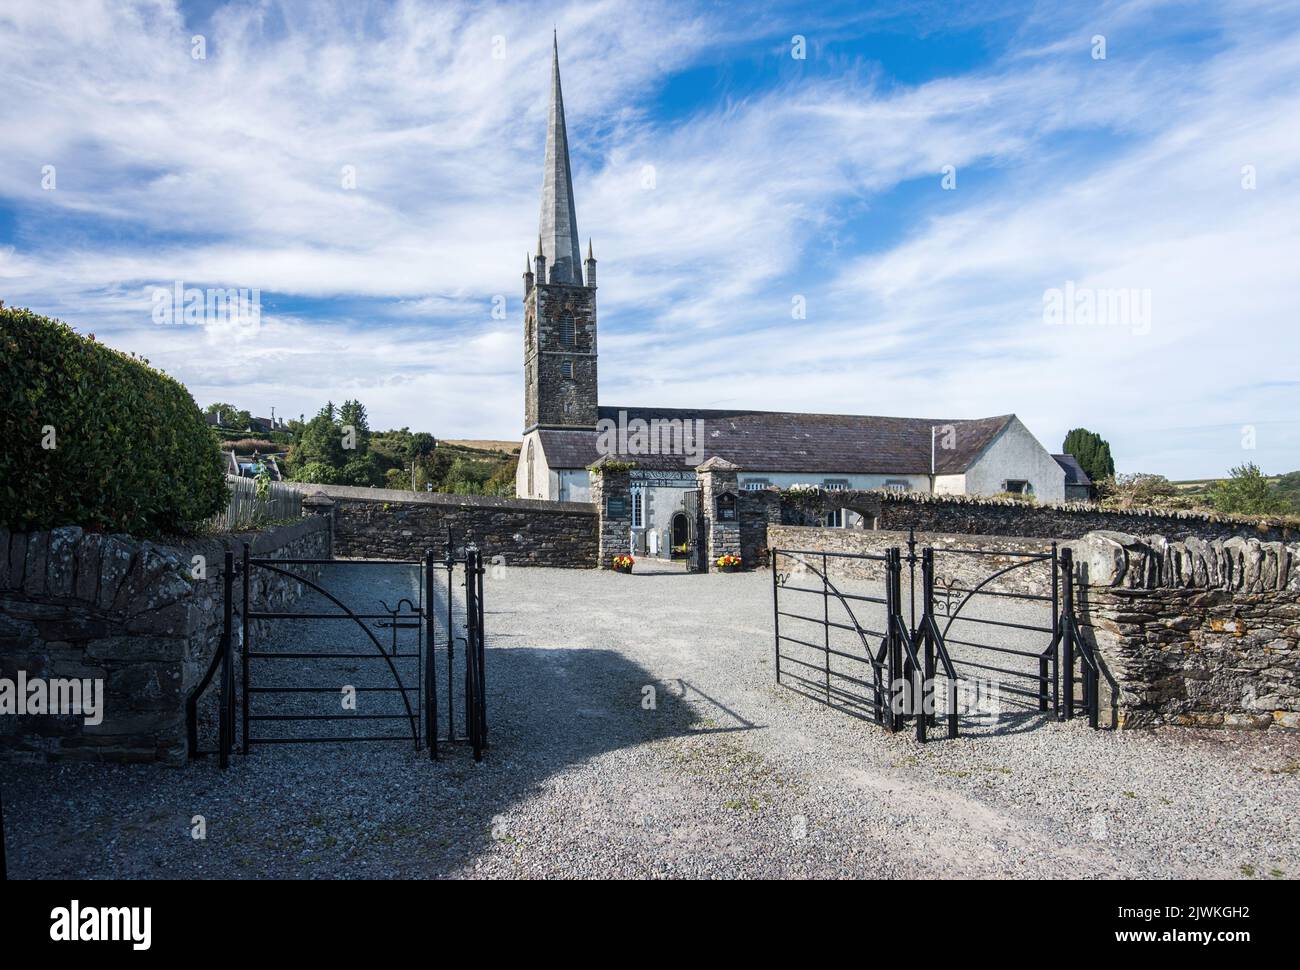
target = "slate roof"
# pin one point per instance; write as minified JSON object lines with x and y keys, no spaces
{"x":1074,"y":473}
{"x":787,"y":441}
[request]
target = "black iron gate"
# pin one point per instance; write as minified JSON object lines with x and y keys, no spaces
{"x":697,"y":551}
{"x":277,"y":675}
{"x":848,"y":635}
{"x":1012,"y":597}
{"x":852,"y":673}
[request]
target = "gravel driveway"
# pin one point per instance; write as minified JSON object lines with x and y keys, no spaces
{"x":636,"y":731}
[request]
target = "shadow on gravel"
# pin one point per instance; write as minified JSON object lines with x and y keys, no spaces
{"x":361,"y":810}
{"x":1015,"y":721}
{"x":1014,"y":718}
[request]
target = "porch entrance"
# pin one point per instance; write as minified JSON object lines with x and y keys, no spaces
{"x":681,"y":534}
{"x":663,"y":521}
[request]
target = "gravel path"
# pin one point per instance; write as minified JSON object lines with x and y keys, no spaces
{"x":727,"y":775}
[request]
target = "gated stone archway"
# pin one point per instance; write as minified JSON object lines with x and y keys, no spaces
{"x":681,"y":530}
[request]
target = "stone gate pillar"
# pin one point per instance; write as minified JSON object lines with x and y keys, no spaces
{"x":611,"y":493}
{"x":720,"y":496}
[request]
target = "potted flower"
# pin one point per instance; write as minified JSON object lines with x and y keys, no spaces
{"x":622,"y":564}
{"x":728,"y":563}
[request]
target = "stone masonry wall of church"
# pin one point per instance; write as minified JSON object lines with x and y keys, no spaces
{"x":550,"y":398}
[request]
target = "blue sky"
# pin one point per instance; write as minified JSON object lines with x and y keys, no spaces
{"x":775,"y":179}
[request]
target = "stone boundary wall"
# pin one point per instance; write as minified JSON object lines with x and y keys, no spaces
{"x":1193,"y":632}
{"x":988,"y":516}
{"x":895,"y":512}
{"x":380,"y":523}
{"x":952,"y":569}
{"x":128,"y":612}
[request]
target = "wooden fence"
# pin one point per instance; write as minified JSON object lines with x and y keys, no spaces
{"x":246,"y":510}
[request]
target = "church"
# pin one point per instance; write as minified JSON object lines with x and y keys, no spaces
{"x":567,"y":429}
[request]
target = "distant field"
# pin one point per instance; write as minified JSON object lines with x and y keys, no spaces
{"x":1199,"y":483}
{"x":484,"y":444}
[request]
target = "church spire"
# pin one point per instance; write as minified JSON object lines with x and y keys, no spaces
{"x":559,"y":228}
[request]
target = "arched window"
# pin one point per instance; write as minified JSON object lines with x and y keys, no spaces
{"x":568,"y":331}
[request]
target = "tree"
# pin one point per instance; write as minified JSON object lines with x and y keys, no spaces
{"x":502,"y":481}
{"x":231,"y":416}
{"x":467,"y":476}
{"x":418,"y":449}
{"x":421,"y":445}
{"x":321,"y":442}
{"x":362,"y":470}
{"x":1287,"y":488}
{"x":318,"y":473}
{"x":1247,"y":492}
{"x":1092,"y":452}
{"x":353,"y":415}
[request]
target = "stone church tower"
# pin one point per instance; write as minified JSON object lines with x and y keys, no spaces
{"x":559,"y":308}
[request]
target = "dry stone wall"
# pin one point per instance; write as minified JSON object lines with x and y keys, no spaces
{"x":977,"y":515}
{"x":1194,"y":632}
{"x":988,"y":516}
{"x":128,"y":613}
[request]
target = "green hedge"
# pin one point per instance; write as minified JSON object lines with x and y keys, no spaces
{"x":131,"y":452}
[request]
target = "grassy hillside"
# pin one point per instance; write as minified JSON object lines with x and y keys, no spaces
{"x":1198,"y":492}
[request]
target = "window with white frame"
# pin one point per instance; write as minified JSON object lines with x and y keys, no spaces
{"x":756,"y":484}
{"x":638,"y":500}
{"x":897,"y":485}
{"x":1017,"y":486}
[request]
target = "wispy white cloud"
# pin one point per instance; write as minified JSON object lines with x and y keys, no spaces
{"x":229,"y":172}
